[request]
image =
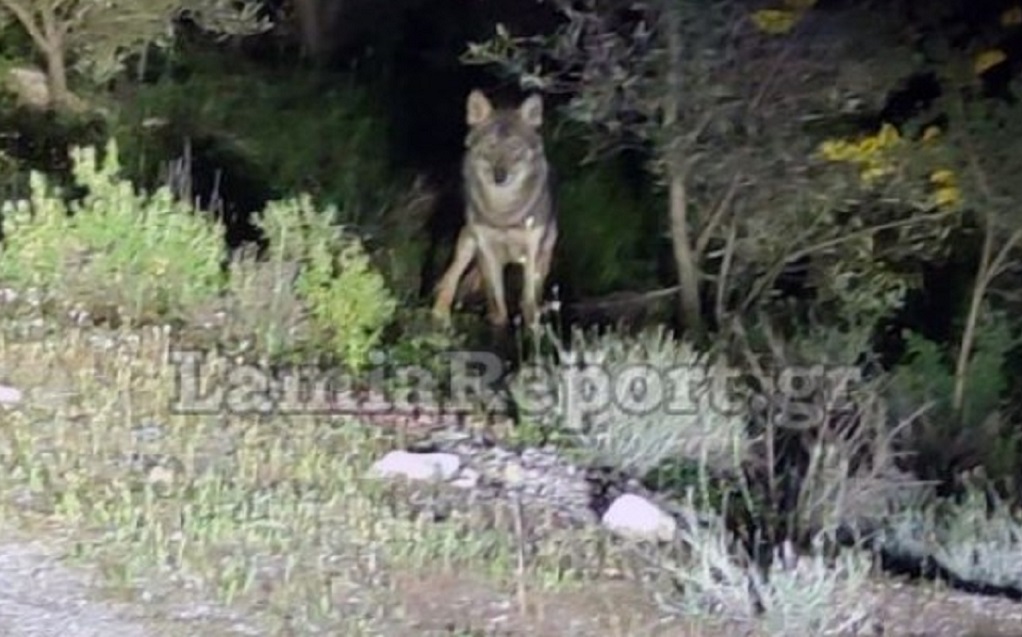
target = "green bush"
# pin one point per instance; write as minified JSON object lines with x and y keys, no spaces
{"x":947,"y":442}
{"x":280,"y":133}
{"x":977,"y":538}
{"x":794,"y":595}
{"x":347,"y":299}
{"x":602,"y":230}
{"x":115,"y":248}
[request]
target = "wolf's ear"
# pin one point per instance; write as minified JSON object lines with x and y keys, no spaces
{"x":478,"y":109}
{"x":531,"y":111}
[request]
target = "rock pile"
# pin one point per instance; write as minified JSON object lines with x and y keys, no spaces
{"x":540,"y":478}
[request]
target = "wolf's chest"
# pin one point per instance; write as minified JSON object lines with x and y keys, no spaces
{"x":509,"y":245}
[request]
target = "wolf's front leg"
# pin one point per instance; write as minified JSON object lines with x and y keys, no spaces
{"x":536,"y":270}
{"x":531,"y":289}
{"x":464,"y":251}
{"x":493,"y":277}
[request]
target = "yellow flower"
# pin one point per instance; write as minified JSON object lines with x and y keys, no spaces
{"x":864,"y":151}
{"x":873,"y":173}
{"x":987,"y":60}
{"x":931,"y":133}
{"x":774,"y":21}
{"x":835,"y":150}
{"x":888,"y":135}
{"x":1012,"y":17}
{"x":869,"y":146}
{"x":947,"y":196}
{"x":943,"y":177}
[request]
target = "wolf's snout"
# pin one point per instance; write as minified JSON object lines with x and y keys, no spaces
{"x":499,"y":175}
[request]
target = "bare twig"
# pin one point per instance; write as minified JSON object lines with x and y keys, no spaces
{"x":636,"y":298}
{"x":718,"y":213}
{"x":990,"y":267}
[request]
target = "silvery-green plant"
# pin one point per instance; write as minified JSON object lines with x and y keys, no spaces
{"x":811,"y":595}
{"x":796,"y":595}
{"x":971,"y":540}
{"x":634,"y":402}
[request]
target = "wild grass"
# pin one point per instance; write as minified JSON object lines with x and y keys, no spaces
{"x":271,"y":514}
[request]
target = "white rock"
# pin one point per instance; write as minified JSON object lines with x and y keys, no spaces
{"x":468,"y":479}
{"x":417,"y":466}
{"x":636,"y":518}
{"x":10,"y":395}
{"x":514,"y":474}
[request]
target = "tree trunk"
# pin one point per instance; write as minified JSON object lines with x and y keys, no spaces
{"x":52,"y":44}
{"x":56,"y":75}
{"x":689,"y":305}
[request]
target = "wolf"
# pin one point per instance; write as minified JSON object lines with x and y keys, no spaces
{"x":510,"y":214}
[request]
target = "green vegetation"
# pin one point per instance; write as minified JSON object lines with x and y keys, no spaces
{"x":347,"y":298}
{"x":306,"y":136}
{"x":146,"y":254}
{"x":781,"y":163}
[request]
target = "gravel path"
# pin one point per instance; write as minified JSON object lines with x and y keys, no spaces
{"x":42,"y":597}
{"x":39,"y":597}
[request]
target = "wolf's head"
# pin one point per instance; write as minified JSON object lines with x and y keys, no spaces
{"x":505,"y":146}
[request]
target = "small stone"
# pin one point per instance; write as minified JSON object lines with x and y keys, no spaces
{"x":514,"y":474}
{"x":417,"y":466}
{"x":636,"y":518}
{"x":161,"y":474}
{"x":148,"y":432}
{"x":10,"y":395}
{"x":468,"y":479}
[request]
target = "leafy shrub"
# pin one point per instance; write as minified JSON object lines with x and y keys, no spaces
{"x":273,"y":134}
{"x":679,"y":412}
{"x":977,"y":539}
{"x":947,"y":442}
{"x":115,"y":248}
{"x":825,"y":459}
{"x":793,"y":596}
{"x":263,"y":307}
{"x":347,"y":299}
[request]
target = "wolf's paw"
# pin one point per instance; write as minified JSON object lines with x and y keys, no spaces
{"x":441,"y":316}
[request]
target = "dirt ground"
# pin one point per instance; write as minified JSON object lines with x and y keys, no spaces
{"x":42,"y":597}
